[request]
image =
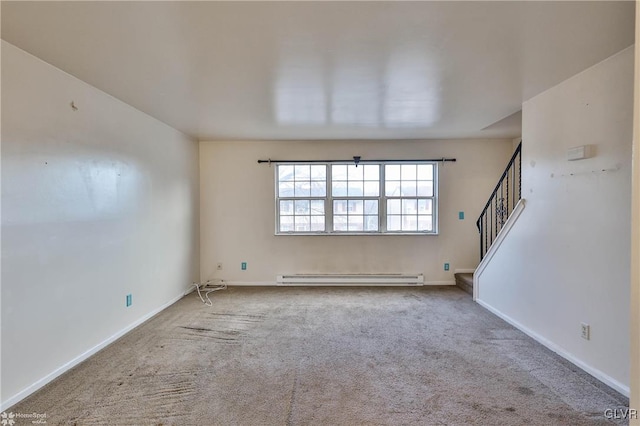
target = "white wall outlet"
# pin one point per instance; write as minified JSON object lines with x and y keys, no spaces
{"x":585,"y":331}
{"x":219,"y":266}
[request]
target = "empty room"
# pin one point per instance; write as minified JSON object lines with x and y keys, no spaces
{"x":320,"y":213}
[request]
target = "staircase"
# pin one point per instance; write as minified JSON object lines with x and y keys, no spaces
{"x":501,"y":204}
{"x":502,"y":201}
{"x":465,"y":282}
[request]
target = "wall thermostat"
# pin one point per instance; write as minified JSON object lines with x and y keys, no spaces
{"x":580,"y":152}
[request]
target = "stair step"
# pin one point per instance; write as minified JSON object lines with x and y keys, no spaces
{"x":465,"y":281}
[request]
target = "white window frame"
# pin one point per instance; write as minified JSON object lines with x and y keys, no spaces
{"x":381,"y":198}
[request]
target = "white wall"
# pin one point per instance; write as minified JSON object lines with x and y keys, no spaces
{"x":96,"y":204}
{"x":566,"y":260}
{"x":634,"y":399}
{"x":515,"y":142}
{"x":238,"y":211}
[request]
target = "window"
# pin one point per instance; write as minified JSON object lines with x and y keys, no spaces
{"x":409,"y":194}
{"x":355,"y":192}
{"x":341,"y":198}
{"x":302,"y":192}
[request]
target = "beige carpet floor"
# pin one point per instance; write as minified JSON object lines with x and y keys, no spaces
{"x":325,"y":356}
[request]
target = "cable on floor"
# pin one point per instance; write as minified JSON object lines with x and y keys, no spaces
{"x":209,"y":287}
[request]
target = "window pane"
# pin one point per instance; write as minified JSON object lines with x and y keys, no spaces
{"x":425,"y":223}
{"x":317,"y":207}
{"x":340,"y":207}
{"x":303,"y":172}
{"x":371,"y":189}
{"x":339,"y":189}
{"x":371,"y":207}
{"x":408,"y":188}
{"x":409,"y":206}
{"x":393,"y":207}
{"x":319,"y":173}
{"x":371,"y":172}
{"x":340,"y":223}
{"x":302,"y":224}
{"x":392,"y":188}
{"x":317,"y":223}
{"x":410,"y":223}
{"x":355,"y":173}
{"x":302,"y":189}
{"x":393,"y":223}
{"x":425,"y":188}
{"x":302,"y":207}
{"x":425,"y":207}
{"x":355,"y":207}
{"x":286,"y":224}
{"x":285,"y":189}
{"x":285,"y":173}
{"x":425,"y":171}
{"x":339,"y":172}
{"x":286,"y":207}
{"x":392,"y":172}
{"x":356,"y":189}
{"x":356,"y":223}
{"x":318,"y":189}
{"x":371,"y":223}
{"x":408,"y":172}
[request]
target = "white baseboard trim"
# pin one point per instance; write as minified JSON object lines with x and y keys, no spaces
{"x":440,"y":282}
{"x":609,"y":381}
{"x":515,"y":214}
{"x":69,"y":365}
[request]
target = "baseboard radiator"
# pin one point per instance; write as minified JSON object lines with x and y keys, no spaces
{"x":350,"y":280}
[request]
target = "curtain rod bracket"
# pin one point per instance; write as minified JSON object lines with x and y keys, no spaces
{"x":356,"y":159}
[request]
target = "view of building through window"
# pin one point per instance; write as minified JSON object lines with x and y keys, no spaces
{"x":347,"y":198}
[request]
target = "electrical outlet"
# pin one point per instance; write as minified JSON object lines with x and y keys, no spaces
{"x":243,"y":266}
{"x":446,"y":266}
{"x":129,"y":300}
{"x":585,"y":331}
{"x":219,"y":266}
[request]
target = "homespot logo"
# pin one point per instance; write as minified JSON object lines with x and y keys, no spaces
{"x":621,"y":413}
{"x":9,"y":419}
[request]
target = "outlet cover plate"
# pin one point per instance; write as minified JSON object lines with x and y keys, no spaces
{"x":585,"y":331}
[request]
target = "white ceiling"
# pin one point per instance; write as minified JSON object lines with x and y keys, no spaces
{"x":324,"y":70}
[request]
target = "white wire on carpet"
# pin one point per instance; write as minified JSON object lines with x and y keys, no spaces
{"x":209,"y":287}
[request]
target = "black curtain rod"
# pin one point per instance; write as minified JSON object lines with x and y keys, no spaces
{"x":356,"y":160}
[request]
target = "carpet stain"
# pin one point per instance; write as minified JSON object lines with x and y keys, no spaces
{"x":196,"y":328}
{"x":525,"y":391}
{"x":248,"y":318}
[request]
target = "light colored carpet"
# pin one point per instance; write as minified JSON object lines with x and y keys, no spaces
{"x":325,"y":356}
